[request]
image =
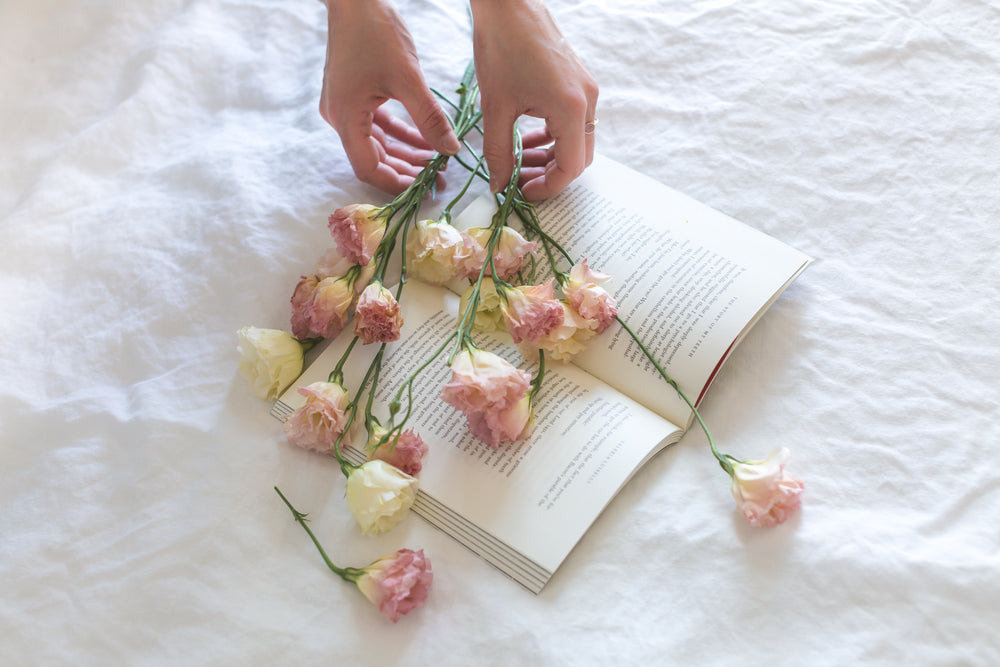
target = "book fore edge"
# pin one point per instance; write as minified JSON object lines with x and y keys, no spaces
{"x":493,"y":550}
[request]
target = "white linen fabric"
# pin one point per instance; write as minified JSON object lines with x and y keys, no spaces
{"x":166,"y":178}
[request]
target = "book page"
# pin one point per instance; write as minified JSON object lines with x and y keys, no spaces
{"x":525,"y":505}
{"x":689,"y":280}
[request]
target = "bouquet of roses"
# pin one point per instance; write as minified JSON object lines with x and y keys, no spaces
{"x":551,"y":319}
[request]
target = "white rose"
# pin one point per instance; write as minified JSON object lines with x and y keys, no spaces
{"x":489,"y":317}
{"x":379,"y":496}
{"x":430,"y":251}
{"x":272,"y":359}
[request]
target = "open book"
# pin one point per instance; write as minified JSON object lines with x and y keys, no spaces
{"x":688,"y":279}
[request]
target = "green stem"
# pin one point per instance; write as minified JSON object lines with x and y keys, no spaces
{"x":446,"y":213}
{"x":351,"y":574}
{"x":724,"y":459}
{"x":337,"y":374}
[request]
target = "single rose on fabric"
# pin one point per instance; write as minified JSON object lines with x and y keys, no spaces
{"x":379,"y":496}
{"x":321,"y":420}
{"x":584,"y":293}
{"x":320,"y":308}
{"x":271,"y":360}
{"x":765,"y":493}
{"x":376,"y":317}
{"x":564,"y":341}
{"x":358,"y":230}
{"x":530,"y":312}
{"x":481,"y":379}
{"x":508,"y":255}
{"x":430,"y":251}
{"x":495,"y":425}
{"x":398,"y":583}
{"x":489,"y":317}
{"x":403,"y":450}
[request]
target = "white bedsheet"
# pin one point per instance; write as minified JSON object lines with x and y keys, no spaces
{"x":165,"y":178}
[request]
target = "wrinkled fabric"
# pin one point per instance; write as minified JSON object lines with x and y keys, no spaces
{"x":166,"y":178}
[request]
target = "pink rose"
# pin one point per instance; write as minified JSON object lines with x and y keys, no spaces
{"x":318,"y":423}
{"x":431,"y":250}
{"x":403,"y":450}
{"x":508,"y":256}
{"x":398,"y":583}
{"x":530,"y":311}
{"x":764,"y":492}
{"x":566,"y":340}
{"x":481,"y":380}
{"x":495,"y":425}
{"x":357,"y":231}
{"x":320,"y":307}
{"x":377,"y":318}
{"x":585,"y":294}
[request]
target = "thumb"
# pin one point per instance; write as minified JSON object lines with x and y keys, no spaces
{"x":498,"y":145}
{"x":431,"y":120}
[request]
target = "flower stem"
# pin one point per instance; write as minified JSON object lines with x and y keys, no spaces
{"x":724,"y":459}
{"x":351,"y":574}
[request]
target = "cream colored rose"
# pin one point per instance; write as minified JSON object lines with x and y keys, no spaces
{"x":379,"y":496}
{"x":489,"y":316}
{"x":430,"y":251}
{"x":272,"y":359}
{"x":565,"y":341}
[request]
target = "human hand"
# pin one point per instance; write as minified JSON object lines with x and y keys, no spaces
{"x":370,"y":58}
{"x":525,"y":66}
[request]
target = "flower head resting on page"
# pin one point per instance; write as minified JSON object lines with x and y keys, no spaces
{"x":584,"y":293}
{"x":376,"y":317}
{"x":566,"y":340}
{"x":481,"y":379}
{"x":431,"y":251}
{"x":489,"y":317}
{"x":321,"y":420}
{"x":508,"y":256}
{"x":495,"y":424}
{"x":530,"y":312}
{"x":494,"y":395}
{"x":404,"y":450}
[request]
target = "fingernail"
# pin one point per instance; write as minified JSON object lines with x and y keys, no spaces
{"x":452,"y":147}
{"x":494,"y":184}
